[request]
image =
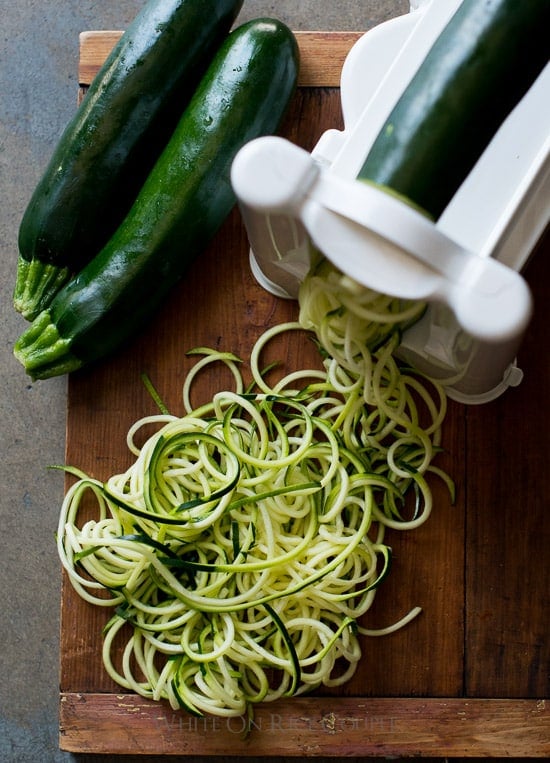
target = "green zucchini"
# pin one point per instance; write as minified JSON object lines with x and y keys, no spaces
{"x":113,"y":140}
{"x":479,"y":68}
{"x":243,"y":95}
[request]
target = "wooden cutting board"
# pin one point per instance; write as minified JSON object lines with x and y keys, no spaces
{"x":470,"y":676}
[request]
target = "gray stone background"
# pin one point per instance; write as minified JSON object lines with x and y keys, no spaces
{"x":38,"y":87}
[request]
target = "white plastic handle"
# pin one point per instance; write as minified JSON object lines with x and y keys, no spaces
{"x":380,"y":241}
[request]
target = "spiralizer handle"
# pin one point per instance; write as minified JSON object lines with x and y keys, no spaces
{"x":380,"y":241}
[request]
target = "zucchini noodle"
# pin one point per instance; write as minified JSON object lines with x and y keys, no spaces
{"x":245,"y":543}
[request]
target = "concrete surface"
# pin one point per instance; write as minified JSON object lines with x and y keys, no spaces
{"x":38,"y":88}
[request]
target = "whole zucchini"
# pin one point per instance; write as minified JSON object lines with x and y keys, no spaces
{"x":183,"y":202}
{"x":482,"y":63}
{"x":113,"y":140}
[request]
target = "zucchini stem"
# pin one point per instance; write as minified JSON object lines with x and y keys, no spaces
{"x":36,"y":284}
{"x":43,"y":351}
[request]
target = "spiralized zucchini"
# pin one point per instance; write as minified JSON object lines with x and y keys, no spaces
{"x":245,"y":543}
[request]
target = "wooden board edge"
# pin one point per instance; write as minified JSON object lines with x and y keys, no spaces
{"x":346,"y":727}
{"x":329,"y":48}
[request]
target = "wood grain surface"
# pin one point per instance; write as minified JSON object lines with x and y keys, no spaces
{"x":312,"y":727}
{"x":469,"y":677}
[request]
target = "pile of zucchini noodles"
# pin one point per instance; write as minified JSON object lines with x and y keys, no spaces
{"x":245,"y":542}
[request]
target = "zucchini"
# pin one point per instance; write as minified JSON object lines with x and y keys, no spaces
{"x":483,"y":62}
{"x":183,"y":202}
{"x":113,"y":140}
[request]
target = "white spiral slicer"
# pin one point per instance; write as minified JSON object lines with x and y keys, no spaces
{"x":467,"y":265}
